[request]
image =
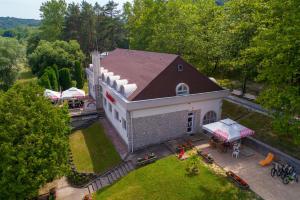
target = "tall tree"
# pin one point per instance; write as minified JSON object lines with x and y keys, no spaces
{"x":72,"y":22}
{"x":34,"y":141}
{"x":87,"y":27}
{"x":11,"y":52}
{"x":65,"y":80}
{"x":52,"y":14}
{"x":277,"y":49}
{"x":78,"y":75}
{"x":59,"y":53}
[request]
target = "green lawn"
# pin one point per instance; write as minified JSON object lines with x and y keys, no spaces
{"x":262,"y":125}
{"x":92,"y":150}
{"x":25,"y":74}
{"x":167,"y":179}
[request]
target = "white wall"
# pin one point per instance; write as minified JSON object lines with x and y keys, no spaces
{"x":203,"y":106}
{"x":111,"y":115}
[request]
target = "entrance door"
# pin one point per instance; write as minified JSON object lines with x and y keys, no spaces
{"x":190,"y":123}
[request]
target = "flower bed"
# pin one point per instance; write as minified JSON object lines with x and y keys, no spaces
{"x":237,"y":180}
{"x":148,"y":158}
{"x":206,"y":157}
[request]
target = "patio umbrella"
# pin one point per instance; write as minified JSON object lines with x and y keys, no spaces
{"x":228,"y":130}
{"x":73,"y":92}
{"x":53,"y":95}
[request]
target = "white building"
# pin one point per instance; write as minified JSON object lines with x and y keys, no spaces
{"x":152,"y":97}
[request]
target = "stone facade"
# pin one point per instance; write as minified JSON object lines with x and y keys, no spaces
{"x":160,"y":128}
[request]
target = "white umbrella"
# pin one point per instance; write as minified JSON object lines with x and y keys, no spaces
{"x":228,"y":130}
{"x":53,"y":95}
{"x":73,"y":92}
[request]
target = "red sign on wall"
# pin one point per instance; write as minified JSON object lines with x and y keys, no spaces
{"x":110,"y":98}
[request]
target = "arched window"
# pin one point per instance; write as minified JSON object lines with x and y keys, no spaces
{"x":209,"y":117}
{"x":182,"y":89}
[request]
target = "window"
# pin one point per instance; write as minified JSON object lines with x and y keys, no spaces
{"x":100,"y":89}
{"x":104,"y":102}
{"x":179,"y":68}
{"x":182,"y":89}
{"x":110,"y":107}
{"x":209,"y":117}
{"x":124,"y":125}
{"x":116,"y":115}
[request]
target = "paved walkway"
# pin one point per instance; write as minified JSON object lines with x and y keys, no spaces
{"x":257,"y":177}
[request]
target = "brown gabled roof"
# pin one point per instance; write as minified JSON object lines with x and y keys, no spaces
{"x":155,"y":74}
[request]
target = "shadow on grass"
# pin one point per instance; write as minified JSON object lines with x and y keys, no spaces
{"x":102,"y":152}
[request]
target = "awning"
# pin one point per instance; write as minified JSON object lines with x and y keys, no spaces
{"x":73,"y":92}
{"x":228,"y":130}
{"x":53,"y":95}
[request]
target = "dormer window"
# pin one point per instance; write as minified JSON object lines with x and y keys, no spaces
{"x":182,"y":89}
{"x":180,"y":68}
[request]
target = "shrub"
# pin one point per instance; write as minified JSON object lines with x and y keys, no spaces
{"x":193,"y":165}
{"x":78,"y":75}
{"x":44,"y":81}
{"x":65,"y":78}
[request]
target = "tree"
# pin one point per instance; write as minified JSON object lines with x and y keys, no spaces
{"x":52,"y":14}
{"x":276,"y":49}
{"x":78,"y":75}
{"x":32,"y":42}
{"x":44,"y":81}
{"x":50,"y":72}
{"x":34,"y":141}
{"x":65,"y":78}
{"x":72,"y":22}
{"x":87,"y":27}
{"x":59,"y":53}
{"x":11,"y":52}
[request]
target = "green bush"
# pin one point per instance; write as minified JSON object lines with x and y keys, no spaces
{"x":193,"y":165}
{"x":65,"y":78}
{"x":52,"y":78}
{"x":78,"y":75}
{"x":44,"y":81}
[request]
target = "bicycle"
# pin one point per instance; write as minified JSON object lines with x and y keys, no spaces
{"x":290,"y":178}
{"x":277,"y":169}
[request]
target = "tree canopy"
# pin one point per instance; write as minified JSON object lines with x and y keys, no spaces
{"x":34,"y":141}
{"x":60,"y":53}
{"x":249,"y":40}
{"x":11,"y":52}
{"x":52,"y":14}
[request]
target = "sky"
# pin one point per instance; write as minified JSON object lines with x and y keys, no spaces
{"x":29,"y":9}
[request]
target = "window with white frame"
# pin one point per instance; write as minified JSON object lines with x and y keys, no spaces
{"x":116,"y":115}
{"x":124,"y":125}
{"x":209,"y":117}
{"x":182,"y":89}
{"x":110,"y":107}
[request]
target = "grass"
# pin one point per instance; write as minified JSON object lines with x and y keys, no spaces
{"x":167,"y":179}
{"x":262,"y":125}
{"x":92,"y":151}
{"x":25,"y":74}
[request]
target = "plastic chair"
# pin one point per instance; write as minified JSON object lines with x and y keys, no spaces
{"x":235,"y":153}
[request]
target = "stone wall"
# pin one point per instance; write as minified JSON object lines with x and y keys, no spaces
{"x":160,"y":128}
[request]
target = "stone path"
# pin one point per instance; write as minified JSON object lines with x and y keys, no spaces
{"x":257,"y":177}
